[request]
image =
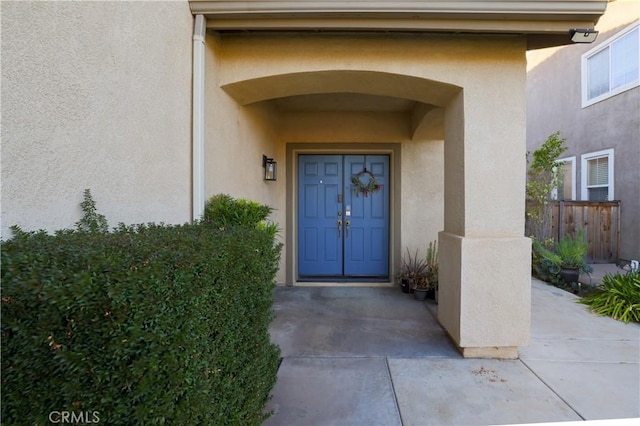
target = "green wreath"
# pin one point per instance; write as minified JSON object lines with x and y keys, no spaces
{"x":371,"y":186}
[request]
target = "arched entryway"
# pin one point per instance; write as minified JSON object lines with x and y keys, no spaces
{"x":416,"y":100}
{"x":411,"y":109}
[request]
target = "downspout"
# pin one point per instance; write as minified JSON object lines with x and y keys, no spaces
{"x":197,"y":136}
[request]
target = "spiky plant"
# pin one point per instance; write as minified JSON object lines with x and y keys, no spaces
{"x":618,"y":297}
{"x":414,"y":269}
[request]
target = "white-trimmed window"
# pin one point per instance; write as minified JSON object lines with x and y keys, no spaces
{"x":611,"y":67}
{"x":566,"y":189}
{"x":597,"y":176}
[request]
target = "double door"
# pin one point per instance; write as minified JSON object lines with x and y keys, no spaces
{"x":343,"y":217}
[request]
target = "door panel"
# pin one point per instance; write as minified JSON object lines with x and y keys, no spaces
{"x":319,"y":242}
{"x":367,"y":241}
{"x":358,"y":245}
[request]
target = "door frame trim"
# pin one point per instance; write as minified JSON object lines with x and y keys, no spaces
{"x":291,"y":245}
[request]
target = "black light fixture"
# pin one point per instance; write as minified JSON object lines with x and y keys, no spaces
{"x":270,"y":168}
{"x":582,"y":35}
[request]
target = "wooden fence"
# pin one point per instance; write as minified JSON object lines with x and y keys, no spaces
{"x":600,"y":221}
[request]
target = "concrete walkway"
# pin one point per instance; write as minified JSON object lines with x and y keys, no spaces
{"x":375,"y":356}
{"x":599,"y":271}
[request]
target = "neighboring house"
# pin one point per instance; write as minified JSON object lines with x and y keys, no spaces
{"x":156,"y":106}
{"x":591,"y":94}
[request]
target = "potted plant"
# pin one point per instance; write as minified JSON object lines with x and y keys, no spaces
{"x":413,"y":275}
{"x":421,"y":287}
{"x":569,"y":256}
{"x":432,"y":270}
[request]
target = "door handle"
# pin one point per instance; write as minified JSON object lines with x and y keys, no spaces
{"x":346,"y":231}
{"x":339,"y":227}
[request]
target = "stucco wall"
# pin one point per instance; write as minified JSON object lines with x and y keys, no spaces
{"x":422,"y":193}
{"x":236,"y":138}
{"x":554,"y":103}
{"x":471,"y":185}
{"x":236,"y":59}
{"x":95,"y":95}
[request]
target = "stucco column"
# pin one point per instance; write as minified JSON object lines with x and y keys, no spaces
{"x":485,"y":284}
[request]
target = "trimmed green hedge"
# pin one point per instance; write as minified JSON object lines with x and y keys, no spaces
{"x":228,"y":211}
{"x":149,"y":324}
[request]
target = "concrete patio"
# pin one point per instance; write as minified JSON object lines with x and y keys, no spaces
{"x":376,"y":356}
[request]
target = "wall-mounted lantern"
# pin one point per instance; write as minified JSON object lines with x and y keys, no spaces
{"x":582,"y":35}
{"x":270,"y":168}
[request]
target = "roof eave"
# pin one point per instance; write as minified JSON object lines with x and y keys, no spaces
{"x":545,"y":22}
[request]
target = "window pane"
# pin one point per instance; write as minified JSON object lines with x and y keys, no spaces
{"x":558,"y":192}
{"x":599,"y":194}
{"x":598,"y":77}
{"x":625,"y":59}
{"x":567,"y":184}
{"x":598,"y":171}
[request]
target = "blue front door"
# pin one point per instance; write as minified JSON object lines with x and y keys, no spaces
{"x":343,"y":229}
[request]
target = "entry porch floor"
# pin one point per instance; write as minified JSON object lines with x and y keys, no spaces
{"x":376,"y":356}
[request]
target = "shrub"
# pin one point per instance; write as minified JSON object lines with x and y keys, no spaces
{"x":541,"y":266}
{"x":570,"y":251}
{"x":617,"y":297}
{"x":224,"y":210}
{"x":549,"y":260}
{"x":91,"y":220}
{"x":573,"y":250}
{"x":148,"y":324}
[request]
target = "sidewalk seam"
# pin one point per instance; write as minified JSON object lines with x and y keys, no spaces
{"x":580,"y":361}
{"x":393,"y":390}
{"x":552,"y":390}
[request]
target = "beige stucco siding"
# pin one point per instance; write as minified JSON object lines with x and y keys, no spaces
{"x":247,"y":73}
{"x":461,"y":61}
{"x":99,"y":95}
{"x":95,"y":95}
{"x":236,"y":138}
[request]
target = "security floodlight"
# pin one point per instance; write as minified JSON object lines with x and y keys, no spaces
{"x":583,"y":35}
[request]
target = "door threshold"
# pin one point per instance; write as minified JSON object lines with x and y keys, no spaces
{"x":342,"y":284}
